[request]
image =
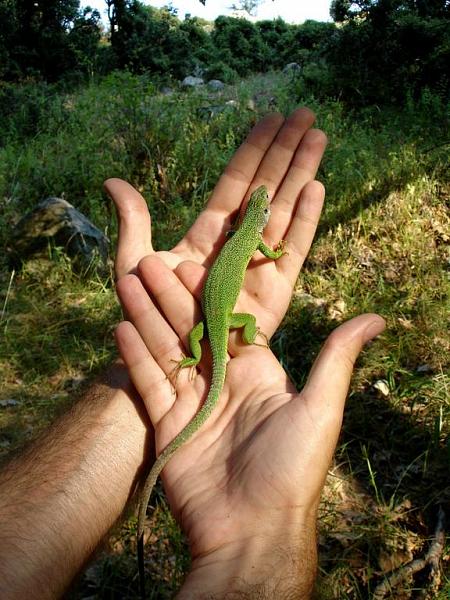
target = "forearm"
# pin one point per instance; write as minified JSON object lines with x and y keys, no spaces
{"x":65,"y":491}
{"x":281,"y":565}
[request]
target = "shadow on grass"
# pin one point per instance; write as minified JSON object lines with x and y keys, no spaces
{"x":386,"y":449}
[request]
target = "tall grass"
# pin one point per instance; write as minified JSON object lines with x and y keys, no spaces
{"x":383,"y":245}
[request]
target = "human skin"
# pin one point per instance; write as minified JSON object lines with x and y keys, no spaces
{"x":60,"y":497}
{"x":246,"y":487}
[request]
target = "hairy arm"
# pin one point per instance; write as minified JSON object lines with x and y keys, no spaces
{"x":278,"y":564}
{"x":62,"y":494}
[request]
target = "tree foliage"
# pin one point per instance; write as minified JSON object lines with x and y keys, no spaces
{"x":387,"y":49}
{"x":46,"y":38}
{"x":248,"y":6}
{"x":381,"y":51}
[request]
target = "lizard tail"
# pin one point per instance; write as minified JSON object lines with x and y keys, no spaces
{"x":217,"y":381}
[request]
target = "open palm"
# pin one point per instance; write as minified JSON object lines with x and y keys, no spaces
{"x":282,"y":154}
{"x":263,"y":454}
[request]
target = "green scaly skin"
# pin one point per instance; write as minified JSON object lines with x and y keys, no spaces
{"x":219,"y":298}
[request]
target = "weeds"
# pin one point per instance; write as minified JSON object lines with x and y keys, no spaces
{"x":383,"y":246}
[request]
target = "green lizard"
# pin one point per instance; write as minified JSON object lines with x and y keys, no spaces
{"x":220,"y":293}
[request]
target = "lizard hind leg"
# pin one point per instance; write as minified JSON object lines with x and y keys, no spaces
{"x":195,"y":337}
{"x":250,"y":330}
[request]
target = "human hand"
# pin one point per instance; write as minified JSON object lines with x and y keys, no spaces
{"x":282,"y":154}
{"x":250,"y":480}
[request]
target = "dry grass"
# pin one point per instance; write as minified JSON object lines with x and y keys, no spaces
{"x":383,"y":246}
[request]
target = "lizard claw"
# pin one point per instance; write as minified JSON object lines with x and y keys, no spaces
{"x":185,"y":361}
{"x":172,"y":376}
{"x":262,"y":334}
{"x":281,"y":246}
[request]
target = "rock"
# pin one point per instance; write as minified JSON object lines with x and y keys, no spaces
{"x":8,"y":402}
{"x":191,"y":81}
{"x":316,"y":304}
{"x":216,"y":85}
{"x":292,"y":68}
{"x":382,"y":386}
{"x":424,"y":369}
{"x":337,"y":310}
{"x":57,"y":220}
{"x":166,"y":91}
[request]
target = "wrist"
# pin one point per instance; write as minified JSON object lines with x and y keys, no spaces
{"x":279,"y":562}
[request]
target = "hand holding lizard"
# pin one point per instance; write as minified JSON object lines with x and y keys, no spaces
{"x":262,"y":457}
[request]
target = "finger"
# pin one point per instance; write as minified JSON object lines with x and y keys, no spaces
{"x":302,"y":230}
{"x":135,"y":240}
{"x":193,"y":277}
{"x":148,"y":378}
{"x":231,"y":188}
{"x":329,"y":380}
{"x":241,"y":170}
{"x":161,"y":340}
{"x":179,"y":306}
{"x":278,"y":158}
{"x":302,"y":170}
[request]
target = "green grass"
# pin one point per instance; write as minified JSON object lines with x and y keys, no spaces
{"x":383,"y":245}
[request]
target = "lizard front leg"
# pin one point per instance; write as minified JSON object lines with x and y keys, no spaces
{"x":274,"y":254}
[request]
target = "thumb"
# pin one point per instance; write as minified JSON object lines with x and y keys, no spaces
{"x":329,"y":379}
{"x":134,"y":240}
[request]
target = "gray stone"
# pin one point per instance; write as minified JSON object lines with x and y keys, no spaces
{"x":56,"y":220}
{"x":216,"y":85}
{"x":292,"y":68}
{"x":424,"y":369}
{"x":8,"y":402}
{"x":191,"y":81}
{"x":382,"y":386}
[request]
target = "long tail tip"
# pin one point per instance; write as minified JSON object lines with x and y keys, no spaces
{"x":141,"y":565}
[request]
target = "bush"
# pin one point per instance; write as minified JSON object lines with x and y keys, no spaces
{"x":222,"y":71}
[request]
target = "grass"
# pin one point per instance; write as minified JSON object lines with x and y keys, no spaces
{"x":383,"y":245}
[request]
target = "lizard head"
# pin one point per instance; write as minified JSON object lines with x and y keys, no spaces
{"x":258,"y":208}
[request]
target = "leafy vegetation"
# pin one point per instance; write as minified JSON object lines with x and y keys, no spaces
{"x":382,"y":246}
{"x":78,"y":105}
{"x":377,"y":51}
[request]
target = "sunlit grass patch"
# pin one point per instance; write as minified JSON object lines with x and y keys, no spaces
{"x":392,"y":258}
{"x":382,"y":246}
{"x":56,"y":332}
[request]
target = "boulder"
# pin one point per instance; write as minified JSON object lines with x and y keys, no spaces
{"x":56,"y":220}
{"x":216,"y":85}
{"x":191,"y":81}
{"x":292,"y":68}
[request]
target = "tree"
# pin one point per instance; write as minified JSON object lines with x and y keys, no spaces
{"x":150,"y":39}
{"x":248,"y":6}
{"x":239,"y":44}
{"x":388,"y":49}
{"x":35,"y":37}
{"x":277,"y":36}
